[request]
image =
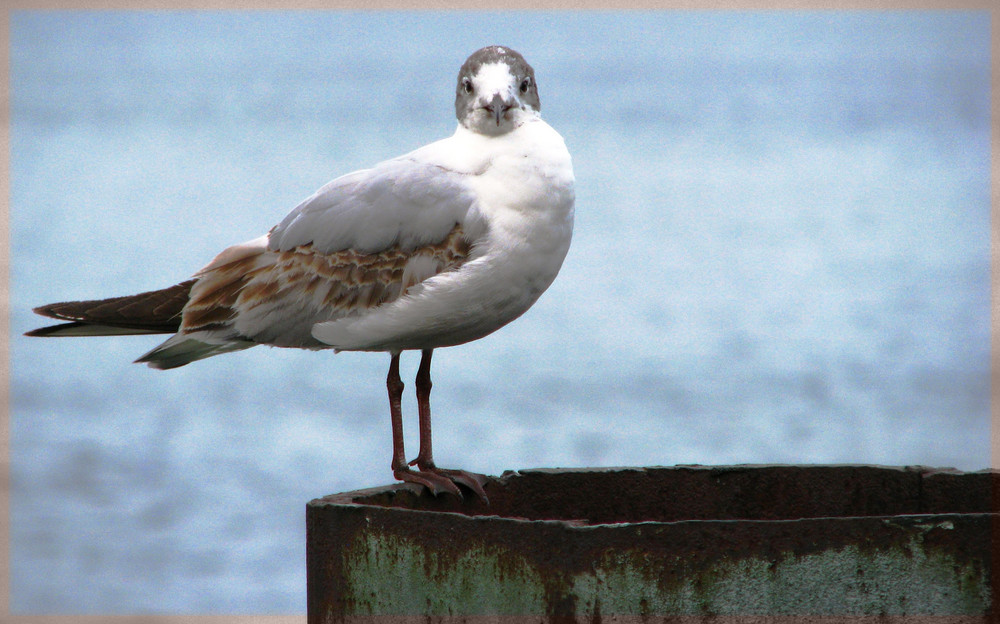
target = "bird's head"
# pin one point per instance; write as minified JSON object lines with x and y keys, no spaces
{"x":496,"y":91}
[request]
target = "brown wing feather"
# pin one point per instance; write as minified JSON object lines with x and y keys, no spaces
{"x":338,"y":281}
{"x":154,"y":311}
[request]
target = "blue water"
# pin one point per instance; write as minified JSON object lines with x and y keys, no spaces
{"x":781,"y":255}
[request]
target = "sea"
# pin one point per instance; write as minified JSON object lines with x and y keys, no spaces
{"x":781,"y":255}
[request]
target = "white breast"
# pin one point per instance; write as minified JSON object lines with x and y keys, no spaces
{"x":523,"y":183}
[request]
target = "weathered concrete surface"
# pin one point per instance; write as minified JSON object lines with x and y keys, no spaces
{"x":565,"y":545}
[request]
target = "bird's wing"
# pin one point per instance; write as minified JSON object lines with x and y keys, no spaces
{"x":406,"y":202}
{"x":359,"y":242}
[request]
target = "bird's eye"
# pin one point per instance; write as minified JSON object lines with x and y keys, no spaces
{"x":467,"y":85}
{"x":525,"y":84}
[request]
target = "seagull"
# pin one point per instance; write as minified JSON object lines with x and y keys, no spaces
{"x":434,"y":248}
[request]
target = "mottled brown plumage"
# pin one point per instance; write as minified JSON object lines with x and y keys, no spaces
{"x":338,"y":283}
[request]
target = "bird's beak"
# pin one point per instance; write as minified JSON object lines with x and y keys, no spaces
{"x":498,"y":106}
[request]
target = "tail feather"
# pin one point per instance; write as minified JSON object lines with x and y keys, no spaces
{"x":181,"y":349}
{"x":154,"y":312}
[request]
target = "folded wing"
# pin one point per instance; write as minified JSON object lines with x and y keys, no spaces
{"x":154,"y":312}
{"x":358,"y":243}
{"x":406,"y":202}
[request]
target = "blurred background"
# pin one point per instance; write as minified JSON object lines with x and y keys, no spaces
{"x":781,"y":255}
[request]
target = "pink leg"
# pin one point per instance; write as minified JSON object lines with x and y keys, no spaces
{"x":395,"y":386}
{"x":434,"y":482}
{"x":425,"y":457}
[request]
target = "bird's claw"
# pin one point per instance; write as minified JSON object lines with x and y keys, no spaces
{"x":471,"y":480}
{"x":439,"y":480}
{"x":433,"y":482}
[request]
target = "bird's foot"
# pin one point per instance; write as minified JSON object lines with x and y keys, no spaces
{"x":471,"y":480}
{"x":430,"y":480}
{"x":439,"y":480}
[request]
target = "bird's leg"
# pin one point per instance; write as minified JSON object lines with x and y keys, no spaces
{"x":400,"y":469}
{"x":425,"y":457}
{"x":395,"y":387}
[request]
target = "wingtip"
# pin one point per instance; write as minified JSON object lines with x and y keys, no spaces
{"x":77,"y":329}
{"x":45,"y":310}
{"x":50,"y":331}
